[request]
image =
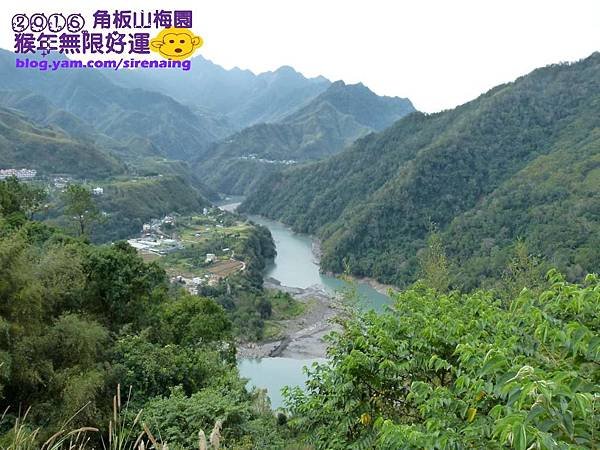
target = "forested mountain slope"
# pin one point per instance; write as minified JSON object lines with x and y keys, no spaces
{"x":519,"y":161}
{"x":323,"y":127}
{"x":24,"y":144}
{"x":358,"y":101}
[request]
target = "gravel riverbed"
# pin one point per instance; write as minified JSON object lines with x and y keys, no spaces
{"x":303,"y":336}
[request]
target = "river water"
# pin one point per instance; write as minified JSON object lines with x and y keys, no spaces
{"x":295,"y":266}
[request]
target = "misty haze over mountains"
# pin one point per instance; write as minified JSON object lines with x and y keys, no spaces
{"x":169,"y":113}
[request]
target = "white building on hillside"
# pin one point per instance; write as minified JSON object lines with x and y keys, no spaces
{"x":21,"y":174}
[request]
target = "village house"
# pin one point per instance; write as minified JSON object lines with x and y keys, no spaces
{"x":21,"y":174}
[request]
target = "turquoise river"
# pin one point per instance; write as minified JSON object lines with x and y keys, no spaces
{"x":295,"y":266}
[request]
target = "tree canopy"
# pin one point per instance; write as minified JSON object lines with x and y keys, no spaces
{"x":461,"y":371}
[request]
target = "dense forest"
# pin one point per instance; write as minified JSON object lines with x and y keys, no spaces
{"x":78,"y":320}
{"x":451,"y":371}
{"x":519,"y":162}
{"x":96,"y":347}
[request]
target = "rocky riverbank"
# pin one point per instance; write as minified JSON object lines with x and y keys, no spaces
{"x":303,"y":335}
{"x":379,"y":287}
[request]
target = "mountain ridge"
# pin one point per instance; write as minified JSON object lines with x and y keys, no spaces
{"x":119,"y":112}
{"x":24,"y":143}
{"x":324,"y":126}
{"x":242,"y":96}
{"x":371,"y":204}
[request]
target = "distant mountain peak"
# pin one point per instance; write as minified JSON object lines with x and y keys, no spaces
{"x":361,"y":103}
{"x":342,"y":85}
{"x":286,"y":69}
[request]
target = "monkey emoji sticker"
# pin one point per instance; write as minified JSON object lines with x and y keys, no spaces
{"x":176,"y":43}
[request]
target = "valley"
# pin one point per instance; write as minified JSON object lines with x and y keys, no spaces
{"x":324,"y":126}
{"x":295,"y":270}
{"x":482,"y":175}
{"x":299,"y":263}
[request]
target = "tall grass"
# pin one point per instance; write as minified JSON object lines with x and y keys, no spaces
{"x":21,"y":437}
{"x":123,"y":433}
{"x":120,"y":431}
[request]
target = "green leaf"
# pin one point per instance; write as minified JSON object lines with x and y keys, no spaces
{"x":471,"y":412}
{"x":519,"y":436}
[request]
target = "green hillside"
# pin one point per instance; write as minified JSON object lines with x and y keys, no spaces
{"x":552,"y":204}
{"x":24,"y":144}
{"x":323,"y":127}
{"x":132,"y":202}
{"x":518,"y":162}
{"x":358,"y":101}
{"x":43,"y":112}
{"x":168,"y":167}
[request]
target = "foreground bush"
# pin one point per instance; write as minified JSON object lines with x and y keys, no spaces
{"x":462,"y":371}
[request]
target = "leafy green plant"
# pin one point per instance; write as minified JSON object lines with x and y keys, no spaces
{"x":461,"y":371}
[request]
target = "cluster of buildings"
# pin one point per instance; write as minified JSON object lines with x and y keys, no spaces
{"x":154,"y":226}
{"x":61,"y":182}
{"x":192,"y":284}
{"x":21,"y":174}
{"x":253,"y":157}
{"x":155,"y":244}
{"x":153,"y":240}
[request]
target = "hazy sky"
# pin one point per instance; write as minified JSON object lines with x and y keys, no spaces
{"x":437,"y":53}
